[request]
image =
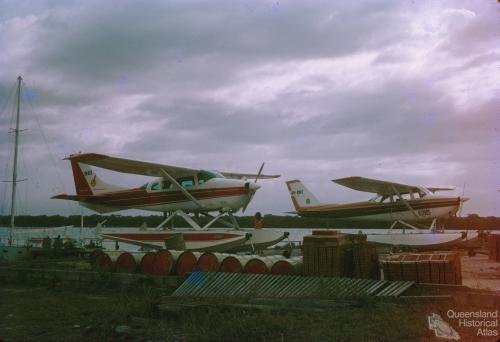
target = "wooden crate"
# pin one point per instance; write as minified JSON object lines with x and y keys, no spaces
{"x":362,"y":259}
{"x":323,"y":254}
{"x":438,"y":268}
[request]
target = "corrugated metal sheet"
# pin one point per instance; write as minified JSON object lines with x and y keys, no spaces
{"x":240,"y":285}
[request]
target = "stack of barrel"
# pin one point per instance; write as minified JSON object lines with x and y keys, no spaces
{"x":168,"y":262}
{"x":329,"y":253}
{"x":494,"y":246}
{"x":155,"y":263}
{"x":434,"y":268}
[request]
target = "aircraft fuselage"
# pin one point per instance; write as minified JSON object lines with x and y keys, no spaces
{"x":214,"y":195}
{"x":424,"y":210}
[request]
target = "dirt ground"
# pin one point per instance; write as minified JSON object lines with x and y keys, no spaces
{"x":480,"y":273}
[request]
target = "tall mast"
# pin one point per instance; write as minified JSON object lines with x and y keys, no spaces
{"x":14,"y":167}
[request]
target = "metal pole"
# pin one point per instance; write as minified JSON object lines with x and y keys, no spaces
{"x":14,"y":168}
{"x":81,"y":227}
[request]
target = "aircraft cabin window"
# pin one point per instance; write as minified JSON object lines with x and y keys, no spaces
{"x":165,"y":185}
{"x":186,"y":181}
{"x":204,"y":176}
{"x":155,"y":186}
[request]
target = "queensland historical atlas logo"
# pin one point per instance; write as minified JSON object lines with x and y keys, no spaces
{"x":441,"y":328}
{"x":484,"y":323}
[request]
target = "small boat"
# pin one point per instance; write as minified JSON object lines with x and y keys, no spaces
{"x":203,"y":241}
{"x":260,"y":240}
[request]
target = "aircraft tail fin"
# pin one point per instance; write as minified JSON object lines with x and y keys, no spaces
{"x":86,"y":181}
{"x":301,"y":196}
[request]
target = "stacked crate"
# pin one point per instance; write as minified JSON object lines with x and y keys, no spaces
{"x":494,"y":246}
{"x":452,"y":271}
{"x":362,"y":257}
{"x":437,"y":268}
{"x":323,"y":253}
{"x":333,"y":254}
{"x":409,"y":269}
{"x":424,"y":269}
{"x":392,"y":267}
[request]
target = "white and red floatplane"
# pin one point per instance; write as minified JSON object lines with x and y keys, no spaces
{"x":175,"y":191}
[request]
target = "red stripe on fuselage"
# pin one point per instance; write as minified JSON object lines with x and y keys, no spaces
{"x":139,"y":197}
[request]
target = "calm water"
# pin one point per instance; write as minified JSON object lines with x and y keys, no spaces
{"x":23,"y":234}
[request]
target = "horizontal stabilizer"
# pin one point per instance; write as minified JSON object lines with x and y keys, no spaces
{"x":78,"y":198}
{"x":87,"y":202}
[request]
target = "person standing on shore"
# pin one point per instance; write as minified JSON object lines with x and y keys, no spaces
{"x":258,"y":221}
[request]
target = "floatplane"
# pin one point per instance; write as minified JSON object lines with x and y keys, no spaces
{"x":175,"y":191}
{"x":394,"y":205}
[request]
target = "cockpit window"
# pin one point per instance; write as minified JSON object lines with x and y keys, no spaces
{"x":155,"y":186}
{"x":144,"y":186}
{"x":381,"y":199}
{"x":186,"y":181}
{"x":204,"y":176}
{"x":378,"y":198}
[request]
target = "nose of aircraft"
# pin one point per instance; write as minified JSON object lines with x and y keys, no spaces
{"x":252,"y":186}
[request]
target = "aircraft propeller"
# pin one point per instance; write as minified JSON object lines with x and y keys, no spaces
{"x":252,"y":192}
{"x":260,"y":172}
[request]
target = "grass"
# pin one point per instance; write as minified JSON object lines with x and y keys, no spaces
{"x":61,"y":313}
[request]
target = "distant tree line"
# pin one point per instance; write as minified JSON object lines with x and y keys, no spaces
{"x":472,"y":221}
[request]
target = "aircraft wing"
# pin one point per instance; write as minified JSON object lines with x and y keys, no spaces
{"x":247,"y":175}
{"x":131,"y":166}
{"x":375,"y":186}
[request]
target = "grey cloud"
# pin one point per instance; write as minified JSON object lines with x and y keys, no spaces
{"x":138,"y":80}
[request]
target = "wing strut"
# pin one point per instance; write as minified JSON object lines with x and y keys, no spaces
{"x":196,"y":226}
{"x":233,"y":225}
{"x":404,"y":201}
{"x":184,"y":191}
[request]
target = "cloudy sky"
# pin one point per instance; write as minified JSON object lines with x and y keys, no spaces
{"x":396,"y":90}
